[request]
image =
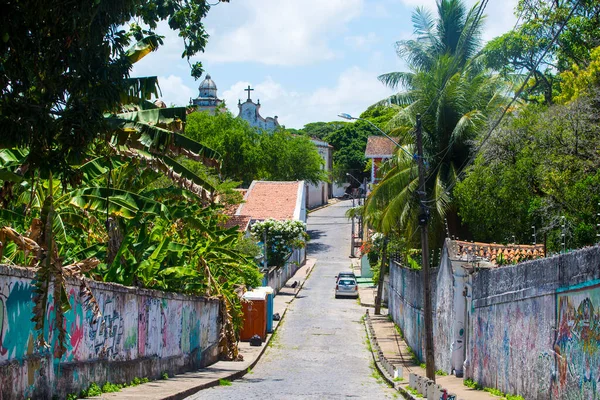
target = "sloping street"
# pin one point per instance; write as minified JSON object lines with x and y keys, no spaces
{"x":320,"y":349}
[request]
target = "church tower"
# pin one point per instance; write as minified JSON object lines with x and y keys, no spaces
{"x":207,"y":99}
{"x":249,"y":111}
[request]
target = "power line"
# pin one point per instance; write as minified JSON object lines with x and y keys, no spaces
{"x":517,"y":94}
{"x":507,"y":92}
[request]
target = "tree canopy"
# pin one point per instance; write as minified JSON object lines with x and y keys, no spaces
{"x":63,"y":68}
{"x":248,"y":153}
{"x":446,"y":84}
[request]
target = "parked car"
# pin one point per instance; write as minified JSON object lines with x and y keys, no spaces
{"x":345,"y":274}
{"x":346,"y":287}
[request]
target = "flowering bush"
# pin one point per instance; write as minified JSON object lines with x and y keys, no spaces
{"x":282,"y":237}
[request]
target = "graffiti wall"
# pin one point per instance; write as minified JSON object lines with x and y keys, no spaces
{"x":405,"y":304}
{"x":535,"y":327}
{"x":577,"y":345}
{"x":141,"y":333}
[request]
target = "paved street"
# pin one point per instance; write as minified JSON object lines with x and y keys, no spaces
{"x":319,"y":351}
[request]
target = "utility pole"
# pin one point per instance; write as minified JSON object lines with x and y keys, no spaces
{"x":352,"y":236}
{"x":423,"y":220}
{"x":384,"y":261}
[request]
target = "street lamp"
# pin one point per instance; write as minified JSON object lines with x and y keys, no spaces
{"x":423,"y":221}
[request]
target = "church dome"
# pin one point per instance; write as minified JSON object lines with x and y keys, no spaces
{"x":208,"y":88}
{"x":208,"y":83}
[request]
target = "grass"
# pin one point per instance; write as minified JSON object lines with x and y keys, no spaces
{"x":440,"y":372}
{"x":423,"y":365}
{"x":108,"y":387}
{"x":470,"y":383}
{"x":414,"y":392}
{"x":377,"y":375}
{"x":224,"y":382}
{"x":164,"y":375}
{"x":368,"y":344}
{"x":274,"y":342}
{"x":398,"y":379}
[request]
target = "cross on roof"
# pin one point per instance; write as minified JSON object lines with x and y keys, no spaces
{"x":248,"y":90}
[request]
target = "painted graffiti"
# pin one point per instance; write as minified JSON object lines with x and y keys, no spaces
{"x":130,"y":326}
{"x":577,"y":346}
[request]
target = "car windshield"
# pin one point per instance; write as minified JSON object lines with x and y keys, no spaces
{"x":347,"y":282}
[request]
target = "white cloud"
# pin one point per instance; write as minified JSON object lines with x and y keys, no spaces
{"x":354,"y":91}
{"x":500,"y":14}
{"x":361,"y":42}
{"x":174,"y":91}
{"x":276,"y":32}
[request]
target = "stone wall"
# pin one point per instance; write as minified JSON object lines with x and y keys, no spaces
{"x":142,"y":333}
{"x":535,"y":327}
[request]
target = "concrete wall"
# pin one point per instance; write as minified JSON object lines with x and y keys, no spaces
{"x":317,"y":195}
{"x":535,"y":327}
{"x":141,"y":333}
{"x":277,"y":278}
{"x":405,"y":304}
{"x":532,"y":329}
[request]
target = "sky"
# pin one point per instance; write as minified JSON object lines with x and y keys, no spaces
{"x":307,"y":60}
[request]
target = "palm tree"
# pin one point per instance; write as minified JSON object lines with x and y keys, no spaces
{"x":455,"y":95}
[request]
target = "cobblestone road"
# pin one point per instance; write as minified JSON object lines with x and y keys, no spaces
{"x":319,"y":351}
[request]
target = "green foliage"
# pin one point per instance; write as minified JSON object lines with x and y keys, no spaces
{"x":380,"y":115}
{"x":441,"y":372}
{"x":164,"y":376}
{"x":282,"y":238}
{"x":249,"y":154}
{"x":53,"y":101}
{"x":110,"y":388}
{"x":446,"y":84}
{"x":578,"y":81}
{"x":93,"y":390}
{"x":224,"y":382}
{"x":470,"y":383}
{"x":349,"y":141}
{"x":540,"y":166}
{"x":540,"y":21}
{"x":72,"y":396}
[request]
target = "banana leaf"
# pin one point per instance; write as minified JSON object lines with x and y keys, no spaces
{"x":121,"y":203}
{"x":142,"y":48}
{"x":157,"y":116}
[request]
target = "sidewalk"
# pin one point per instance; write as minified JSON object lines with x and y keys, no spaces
{"x":396,"y":352}
{"x":183,"y":385}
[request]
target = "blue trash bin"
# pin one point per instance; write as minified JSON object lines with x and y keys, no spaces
{"x":270,"y":298}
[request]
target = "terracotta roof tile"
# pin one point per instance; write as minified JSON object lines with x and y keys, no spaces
{"x":241,"y":221}
{"x":275,"y":200}
{"x":379,"y":146}
{"x":497,"y":254}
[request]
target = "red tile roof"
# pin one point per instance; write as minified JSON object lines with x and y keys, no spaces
{"x":241,"y":221}
{"x":379,"y":146}
{"x":275,"y":200}
{"x":497,"y":254}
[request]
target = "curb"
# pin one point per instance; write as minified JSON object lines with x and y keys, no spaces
{"x":378,"y":365}
{"x":380,"y":368}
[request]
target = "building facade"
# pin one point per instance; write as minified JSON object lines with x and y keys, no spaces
{"x":207,"y":99}
{"x":250,"y":111}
